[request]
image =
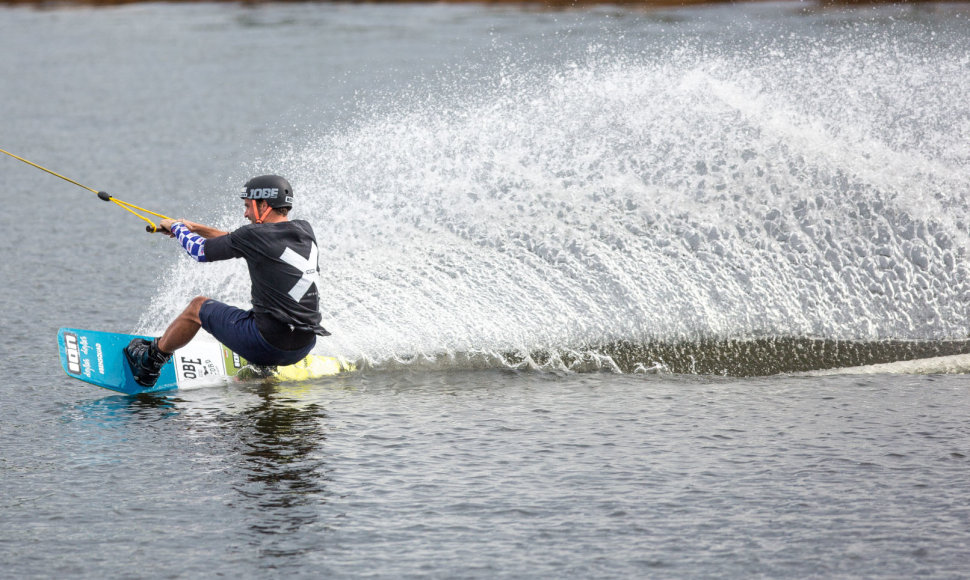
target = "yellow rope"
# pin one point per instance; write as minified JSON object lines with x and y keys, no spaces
{"x":131,"y":208}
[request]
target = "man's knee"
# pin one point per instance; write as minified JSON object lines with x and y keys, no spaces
{"x":195,"y":305}
{"x":197,"y":302}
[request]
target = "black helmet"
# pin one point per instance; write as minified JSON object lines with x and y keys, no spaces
{"x":272,"y":189}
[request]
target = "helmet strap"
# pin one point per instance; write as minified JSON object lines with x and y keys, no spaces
{"x":260,"y":218}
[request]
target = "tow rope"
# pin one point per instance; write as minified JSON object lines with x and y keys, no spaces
{"x":131,"y":208}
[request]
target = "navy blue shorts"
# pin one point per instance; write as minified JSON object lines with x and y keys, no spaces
{"x":236,"y":328}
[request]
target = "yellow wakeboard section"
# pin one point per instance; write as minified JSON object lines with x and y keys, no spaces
{"x":314,"y":367}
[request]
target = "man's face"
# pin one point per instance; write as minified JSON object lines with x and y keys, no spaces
{"x":252,"y":207}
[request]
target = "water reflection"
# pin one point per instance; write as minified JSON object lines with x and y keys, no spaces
{"x":284,"y":471}
{"x":262,"y":443}
{"x":121,"y":410}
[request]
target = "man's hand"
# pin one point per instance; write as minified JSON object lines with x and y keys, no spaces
{"x":165,"y":227}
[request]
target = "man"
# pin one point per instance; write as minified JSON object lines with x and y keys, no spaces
{"x":282,"y":326}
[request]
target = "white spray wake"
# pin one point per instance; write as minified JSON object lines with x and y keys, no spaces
{"x":817,"y":192}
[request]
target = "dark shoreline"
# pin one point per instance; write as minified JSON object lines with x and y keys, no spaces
{"x":549,"y":3}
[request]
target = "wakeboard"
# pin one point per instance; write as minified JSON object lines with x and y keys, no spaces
{"x":96,"y":357}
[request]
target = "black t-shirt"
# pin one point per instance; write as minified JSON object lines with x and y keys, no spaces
{"x":283,"y":267}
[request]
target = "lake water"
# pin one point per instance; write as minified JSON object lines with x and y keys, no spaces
{"x":616,"y":280}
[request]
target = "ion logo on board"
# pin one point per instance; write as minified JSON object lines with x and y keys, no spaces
{"x":73,"y":353}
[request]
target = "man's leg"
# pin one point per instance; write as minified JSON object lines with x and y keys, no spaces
{"x":184,"y":328}
{"x":146,"y":358}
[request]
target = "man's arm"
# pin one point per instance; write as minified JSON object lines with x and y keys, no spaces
{"x":194,"y":237}
{"x":202,"y":230}
{"x":193,"y":243}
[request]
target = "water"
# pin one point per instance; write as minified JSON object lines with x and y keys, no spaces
{"x":571,"y":251}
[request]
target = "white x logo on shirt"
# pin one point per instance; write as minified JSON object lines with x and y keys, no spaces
{"x":308,"y":268}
